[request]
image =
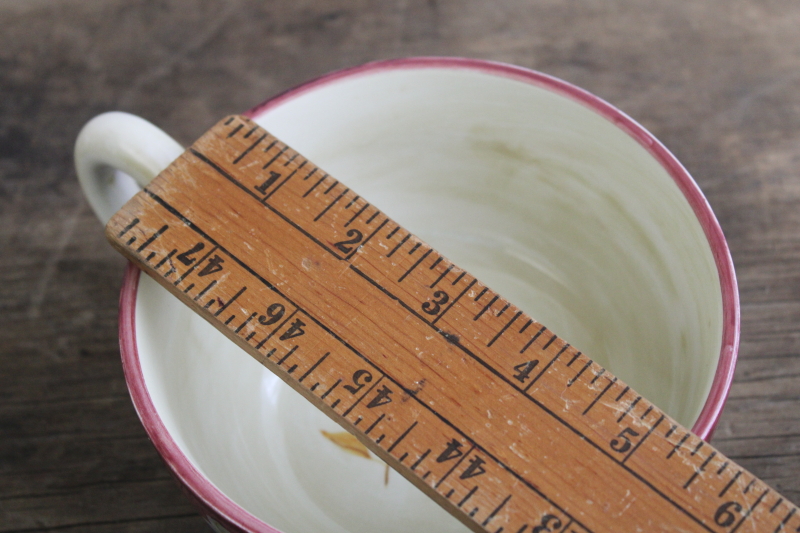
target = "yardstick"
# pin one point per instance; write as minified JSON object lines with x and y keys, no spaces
{"x":492,"y":415}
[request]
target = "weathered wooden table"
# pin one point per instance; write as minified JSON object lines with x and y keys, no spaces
{"x":716,"y":81}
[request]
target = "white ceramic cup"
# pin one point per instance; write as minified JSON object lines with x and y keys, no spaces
{"x":549,"y":195}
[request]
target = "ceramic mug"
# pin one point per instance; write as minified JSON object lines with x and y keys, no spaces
{"x":551,"y":196}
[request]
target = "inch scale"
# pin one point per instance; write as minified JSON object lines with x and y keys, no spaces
{"x":452,"y":385}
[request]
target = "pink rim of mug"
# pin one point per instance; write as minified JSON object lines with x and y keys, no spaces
{"x":222,"y":509}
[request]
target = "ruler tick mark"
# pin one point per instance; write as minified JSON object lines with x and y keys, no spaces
{"x":127,"y":228}
{"x":777,"y":503}
{"x":551,"y":341}
{"x":473,"y":512}
{"x":401,"y":243}
{"x":414,"y":266}
{"x":730,"y":483}
{"x":252,"y":131}
{"x":331,"y":389}
{"x":442,"y":275}
{"x":641,"y":441}
{"x":170,"y":272}
{"x":750,"y":510}
{"x":329,"y":189}
{"x":749,"y":485}
{"x":280,"y":153}
{"x":677,"y":447}
{"x":354,"y":200}
{"x":391,"y":233}
{"x":358,"y":213}
{"x":291,"y":369}
{"x":786,"y":520}
{"x":403,"y":457}
{"x":456,"y":299}
{"x":536,"y":336}
{"x":647,"y":412}
{"x":438,"y":260}
{"x":597,"y":398}
{"x":428,"y":473}
{"x":230,"y":318}
{"x":579,"y":374}
{"x":503,"y":310}
{"x":314,"y":387}
{"x":330,"y":205}
{"x":131,"y":241}
{"x":468,"y":496}
{"x":450,"y":493}
{"x":235,"y":131}
{"x":229,"y":302}
{"x":334,"y":404}
{"x":671,"y":430}
{"x":367,"y":432}
{"x":597,"y":376}
{"x":546,"y":368}
{"x":621,"y":394}
{"x":698,"y":471}
{"x":629,"y":409}
{"x":311,"y":173}
{"x":420,"y":459}
{"x":379,"y":439}
{"x":294,"y":156}
{"x":187,"y":289}
{"x":401,"y":437}
{"x":245,"y":322}
{"x":480,"y":294}
{"x":508,"y":324}
{"x":309,"y":191}
{"x":528,"y":323}
{"x":722,"y":468}
{"x":150,"y":256}
{"x":414,"y":249}
{"x":247,"y":151}
{"x":485,"y":308}
{"x":166,"y":258}
{"x":358,"y":420}
{"x":288,"y":354}
{"x":697,"y":448}
{"x":463,"y":273}
{"x":370,"y":219}
{"x":496,"y":510}
{"x":313,"y":367}
{"x":250,"y":336}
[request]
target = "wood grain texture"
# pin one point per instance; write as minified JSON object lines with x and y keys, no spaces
{"x":715,"y":81}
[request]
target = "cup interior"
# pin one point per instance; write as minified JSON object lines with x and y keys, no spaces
{"x":547,"y":200}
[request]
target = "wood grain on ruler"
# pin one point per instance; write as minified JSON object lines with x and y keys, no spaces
{"x":448,"y":382}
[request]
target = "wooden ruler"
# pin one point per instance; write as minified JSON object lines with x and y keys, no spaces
{"x":496,"y":418}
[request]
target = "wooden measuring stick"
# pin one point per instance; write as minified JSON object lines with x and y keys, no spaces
{"x":453,"y":386}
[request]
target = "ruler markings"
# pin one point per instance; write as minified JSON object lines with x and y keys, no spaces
{"x":641,"y":441}
{"x":152,"y":238}
{"x":500,"y":333}
{"x":491,"y":369}
{"x":280,"y":153}
{"x":327,"y":207}
{"x":597,"y":398}
{"x":287,"y":178}
{"x":329,"y":189}
{"x":309,"y":191}
{"x":358,"y":214}
{"x":247,"y":151}
{"x":580,"y":372}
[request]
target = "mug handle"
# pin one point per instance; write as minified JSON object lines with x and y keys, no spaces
{"x":116,"y":155}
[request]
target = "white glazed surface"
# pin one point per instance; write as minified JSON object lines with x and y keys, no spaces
{"x":546,"y":201}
